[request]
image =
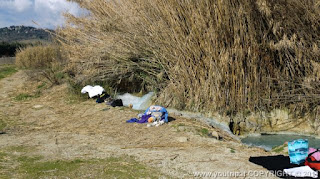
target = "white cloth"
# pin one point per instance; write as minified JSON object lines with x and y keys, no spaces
{"x":156,"y":123}
{"x":92,"y":91}
{"x":304,"y":171}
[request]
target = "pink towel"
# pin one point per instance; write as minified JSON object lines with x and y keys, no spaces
{"x":315,"y":155}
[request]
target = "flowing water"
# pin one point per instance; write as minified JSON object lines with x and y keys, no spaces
{"x":268,"y":141}
{"x":138,"y":103}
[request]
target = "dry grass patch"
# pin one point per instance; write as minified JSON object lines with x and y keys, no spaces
{"x":45,"y":62}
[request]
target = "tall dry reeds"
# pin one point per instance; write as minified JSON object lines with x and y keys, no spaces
{"x":204,"y":55}
{"x":39,"y":57}
{"x":46,"y":62}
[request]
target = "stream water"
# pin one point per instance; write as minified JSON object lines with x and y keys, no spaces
{"x":268,"y":141}
{"x":138,"y":103}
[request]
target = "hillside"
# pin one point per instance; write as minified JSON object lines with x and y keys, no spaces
{"x":23,"y":33}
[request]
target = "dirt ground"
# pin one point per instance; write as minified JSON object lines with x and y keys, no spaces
{"x":58,"y":128}
{"x":7,"y":60}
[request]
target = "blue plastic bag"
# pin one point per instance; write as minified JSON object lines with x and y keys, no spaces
{"x":298,"y":151}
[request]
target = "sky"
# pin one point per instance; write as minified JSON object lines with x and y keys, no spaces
{"x":46,"y":13}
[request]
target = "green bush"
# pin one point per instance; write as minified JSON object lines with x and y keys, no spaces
{"x":9,"y":49}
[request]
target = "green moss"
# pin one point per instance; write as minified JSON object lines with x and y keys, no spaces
{"x":6,"y":71}
{"x":41,"y":85}
{"x":123,"y":167}
{"x":127,"y":167}
{"x":33,"y":168}
{"x":23,"y":97}
{"x":19,"y":148}
{"x":23,"y":165}
{"x":2,"y":156}
{"x":28,"y":160}
{"x":180,"y":124}
{"x":59,"y":75}
{"x":26,"y":96}
{"x":280,"y":149}
{"x":2,"y":125}
{"x":3,"y":159}
{"x":203,"y":132}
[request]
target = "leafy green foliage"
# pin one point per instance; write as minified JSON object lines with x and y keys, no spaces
{"x":9,"y":49}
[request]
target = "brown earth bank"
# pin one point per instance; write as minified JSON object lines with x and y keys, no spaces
{"x":55,"y":126}
{"x":275,"y":122}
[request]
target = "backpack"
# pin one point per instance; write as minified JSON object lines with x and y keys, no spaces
{"x":312,"y":162}
{"x":101,"y":98}
{"x":298,"y":151}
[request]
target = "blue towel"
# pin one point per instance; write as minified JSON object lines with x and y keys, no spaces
{"x":144,"y":119}
{"x":133,"y":120}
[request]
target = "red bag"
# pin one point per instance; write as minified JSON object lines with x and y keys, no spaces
{"x":312,"y":162}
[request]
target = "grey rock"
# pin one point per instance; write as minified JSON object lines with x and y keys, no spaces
{"x":37,"y":106}
{"x":182,"y":139}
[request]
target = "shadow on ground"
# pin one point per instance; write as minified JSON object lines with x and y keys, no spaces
{"x":170,"y":119}
{"x":275,"y":164}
